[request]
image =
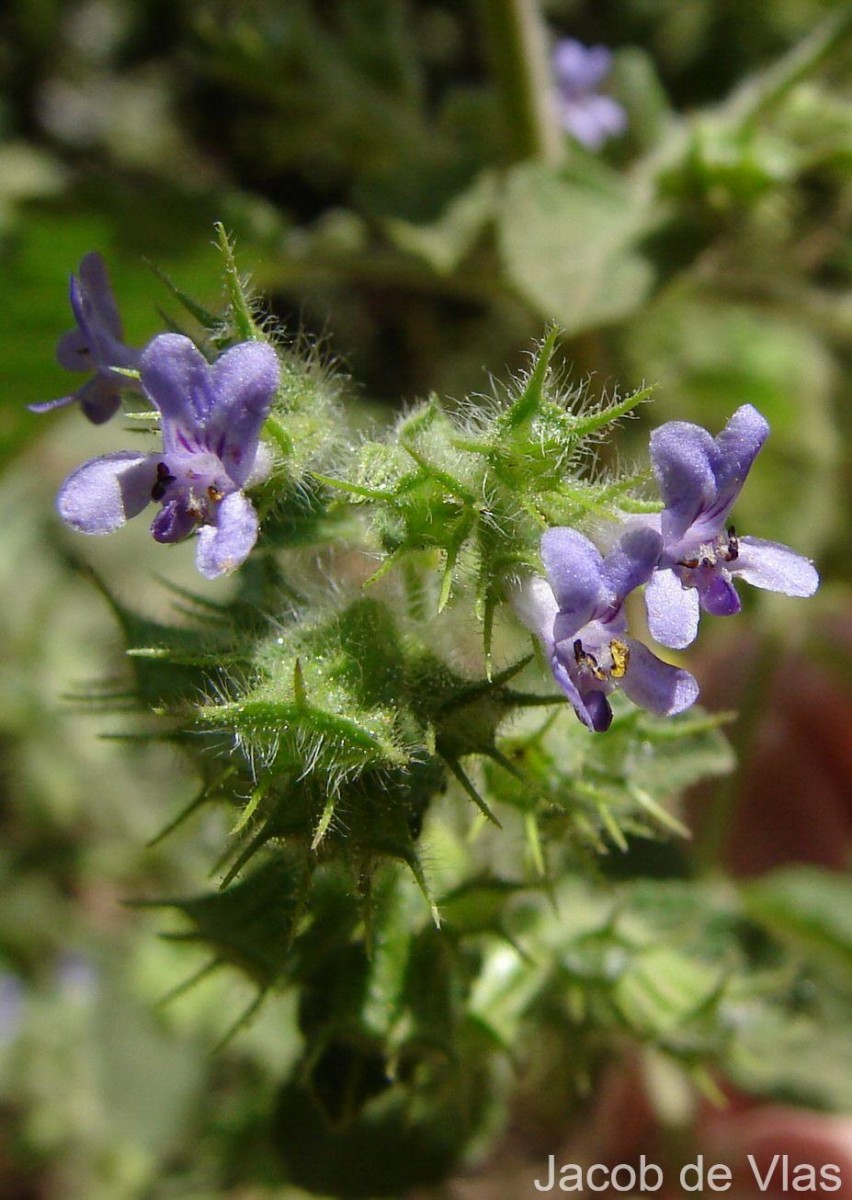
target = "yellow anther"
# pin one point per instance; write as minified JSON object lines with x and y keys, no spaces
{"x":620,"y":652}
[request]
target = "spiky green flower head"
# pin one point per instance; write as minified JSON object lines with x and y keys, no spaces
{"x":481,"y":486}
{"x":345,"y":729}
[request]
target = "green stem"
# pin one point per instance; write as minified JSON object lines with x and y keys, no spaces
{"x":520,"y":62}
{"x":752,"y":99}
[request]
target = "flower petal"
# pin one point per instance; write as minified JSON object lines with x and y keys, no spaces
{"x":599,"y":710}
{"x":655,"y":685}
{"x":245,"y":380}
{"x":563,"y":678}
{"x":575,"y":572}
{"x":174,"y":522}
{"x":177,"y":377}
{"x":98,"y":319}
{"x":536,"y":607}
{"x":631,"y":561}
{"x":225,"y":545}
{"x":682,"y":456}
{"x":716,"y":593}
{"x":219,"y":409}
{"x":48,"y":405}
{"x":592,"y":119}
{"x":105,"y":492}
{"x":580,"y":68}
{"x":775,"y":567}
{"x":74,"y":351}
{"x":673,"y":610}
{"x":99,"y":398}
{"x":737,"y":446}
{"x":95,"y":301}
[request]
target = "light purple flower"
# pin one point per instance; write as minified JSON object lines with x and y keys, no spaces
{"x":12,"y":1004}
{"x":76,"y":977}
{"x":211,"y":421}
{"x":586,"y":115}
{"x":95,"y":345}
{"x":700,"y":478}
{"x":578,"y":614}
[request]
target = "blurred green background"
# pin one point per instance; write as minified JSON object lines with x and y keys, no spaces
{"x":387,"y":195}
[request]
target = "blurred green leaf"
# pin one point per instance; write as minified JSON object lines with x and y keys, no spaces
{"x":662,"y":991}
{"x":570,"y":245}
{"x":445,"y":242}
{"x":810,"y":908}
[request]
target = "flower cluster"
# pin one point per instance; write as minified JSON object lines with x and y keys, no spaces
{"x":687,"y":557}
{"x":210,"y":419}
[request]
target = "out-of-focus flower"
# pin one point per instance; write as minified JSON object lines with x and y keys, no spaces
{"x":76,"y":977}
{"x":578,"y":614}
{"x":586,"y":115}
{"x":12,"y":999}
{"x":211,"y":421}
{"x":700,"y":478}
{"x":95,"y":345}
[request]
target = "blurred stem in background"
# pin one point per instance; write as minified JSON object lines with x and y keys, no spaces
{"x":520,"y":60}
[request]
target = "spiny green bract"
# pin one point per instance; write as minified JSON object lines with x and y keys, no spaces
{"x":312,"y":701}
{"x":584,"y":795}
{"x":482,"y":489}
{"x":405,"y":1033}
{"x":345,"y":729}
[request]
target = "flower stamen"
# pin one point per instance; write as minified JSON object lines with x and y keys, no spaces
{"x":164,"y":478}
{"x":619,"y":653}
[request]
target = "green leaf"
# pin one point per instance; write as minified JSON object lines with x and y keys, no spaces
{"x":571,"y":246}
{"x":505,"y":987}
{"x":799,"y":1052}
{"x":808,"y":907}
{"x":662,"y":991}
{"x":392,"y":1144}
{"x":689,"y":748}
{"x":252,"y":924}
{"x":760,"y":92}
{"x":444,"y":243}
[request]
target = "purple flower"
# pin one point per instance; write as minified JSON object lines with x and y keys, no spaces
{"x":12,"y":1004}
{"x":700,"y":478}
{"x":76,"y":977}
{"x":587,"y":116}
{"x":211,"y":421}
{"x":95,"y":345}
{"x":578,"y":614}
